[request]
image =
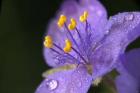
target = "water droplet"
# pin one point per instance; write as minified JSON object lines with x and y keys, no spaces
{"x":99,"y":12}
{"x":106,"y":32}
{"x":79,"y":84}
{"x":129,"y":17}
{"x":51,"y":84}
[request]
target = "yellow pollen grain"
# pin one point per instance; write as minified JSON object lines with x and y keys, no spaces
{"x":62,"y":19}
{"x":84,"y":16}
{"x":73,"y":21}
{"x":68,"y":46}
{"x":72,"y":25}
{"x":48,"y":43}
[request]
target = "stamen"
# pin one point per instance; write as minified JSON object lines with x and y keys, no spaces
{"x":79,"y":35}
{"x":48,"y":42}
{"x":79,"y":54}
{"x":56,"y":51}
{"x":71,"y":36}
{"x":68,"y":46}
{"x":85,"y":14}
{"x":61,"y":21}
{"x":73,"y":24}
{"x":64,"y":52}
{"x":83,"y":17}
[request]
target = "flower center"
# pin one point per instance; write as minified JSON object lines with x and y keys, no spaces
{"x":73,"y":50}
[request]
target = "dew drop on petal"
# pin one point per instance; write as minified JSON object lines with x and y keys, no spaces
{"x":99,"y":13}
{"x":79,"y":84}
{"x":106,"y":32}
{"x":51,"y":84}
{"x":129,"y":17}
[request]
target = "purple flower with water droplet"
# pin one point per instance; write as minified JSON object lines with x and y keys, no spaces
{"x":82,"y":45}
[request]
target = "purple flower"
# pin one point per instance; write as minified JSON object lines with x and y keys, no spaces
{"x":129,"y":79}
{"x":82,"y":45}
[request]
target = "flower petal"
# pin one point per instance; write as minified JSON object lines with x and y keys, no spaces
{"x":126,"y":84}
{"x":97,"y":13}
{"x":132,"y":63}
{"x":129,"y":72}
{"x":71,"y":8}
{"x":71,"y":81}
{"x":97,"y":17}
{"x":122,"y":29}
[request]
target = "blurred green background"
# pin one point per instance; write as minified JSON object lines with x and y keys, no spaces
{"x":22,"y":25}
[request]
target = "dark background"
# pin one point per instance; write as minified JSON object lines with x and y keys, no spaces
{"x":22,"y":25}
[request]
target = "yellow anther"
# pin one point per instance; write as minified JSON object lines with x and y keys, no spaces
{"x":68,"y":46}
{"x":73,"y":21}
{"x":85,"y":14}
{"x":48,"y":42}
{"x":71,"y":27}
{"x":63,"y":17}
{"x":73,"y":24}
{"x":83,"y":17}
{"x":61,"y":21}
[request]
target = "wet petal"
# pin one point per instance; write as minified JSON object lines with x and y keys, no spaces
{"x":122,"y":29}
{"x":71,"y":8}
{"x":97,"y":14}
{"x":129,"y":72}
{"x":71,"y":81}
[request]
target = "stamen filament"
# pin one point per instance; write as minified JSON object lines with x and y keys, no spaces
{"x":79,"y":55}
{"x":73,"y":24}
{"x":81,"y":39}
{"x":86,"y":26}
{"x":64,"y":52}
{"x":55,"y":51}
{"x":71,"y":36}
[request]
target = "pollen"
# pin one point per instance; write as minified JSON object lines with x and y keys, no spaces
{"x":84,"y":16}
{"x":48,"y":43}
{"x":73,"y":24}
{"x":61,"y":21}
{"x":68,"y":46}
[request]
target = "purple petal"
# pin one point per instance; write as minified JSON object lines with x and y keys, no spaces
{"x":126,"y":84}
{"x":132,"y":63}
{"x":123,"y":29}
{"x":72,"y":81}
{"x":129,"y":79}
{"x":97,"y":14}
{"x":71,"y":8}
